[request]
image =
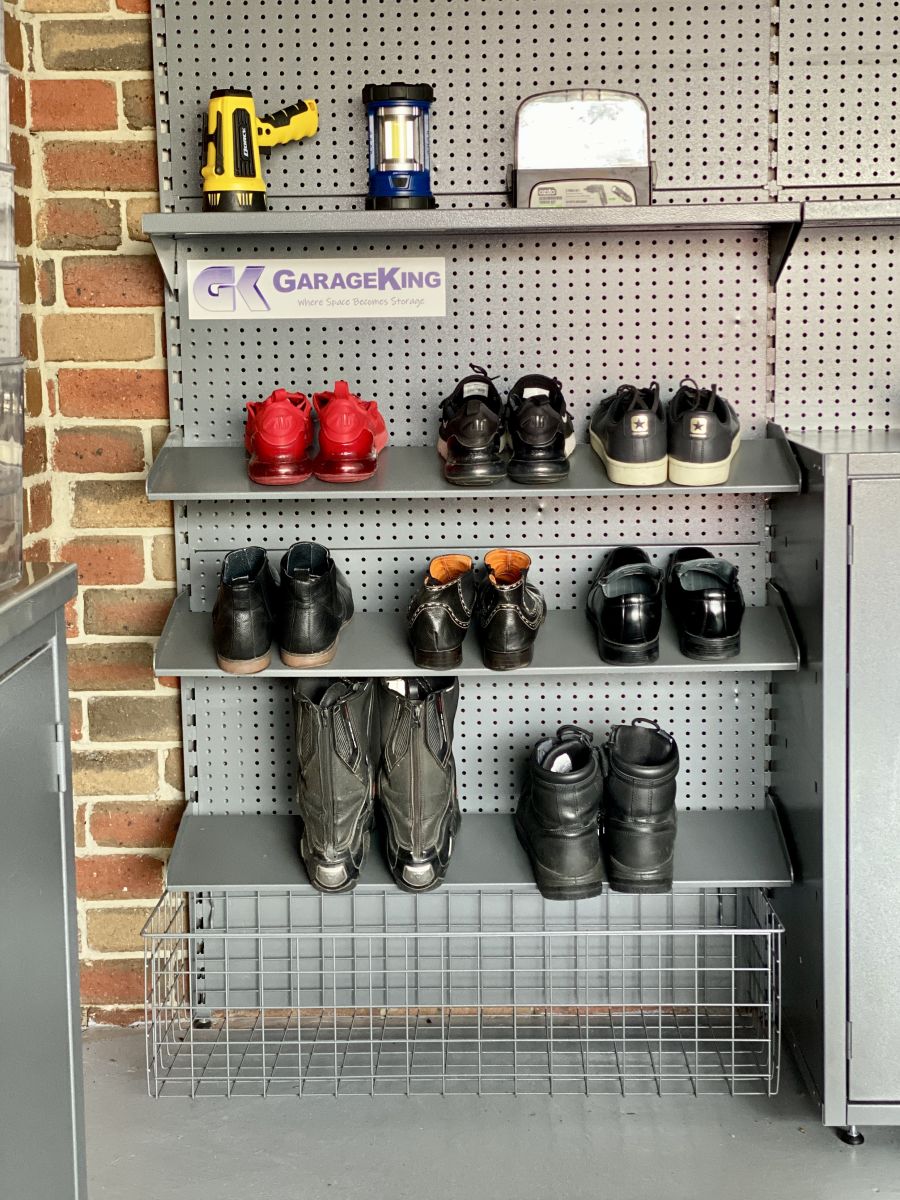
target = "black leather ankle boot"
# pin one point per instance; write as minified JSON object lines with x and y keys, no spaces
{"x":335,"y":778}
{"x":639,"y":820}
{"x":510,"y":611}
{"x":417,"y":778}
{"x":439,"y":614}
{"x":315,"y":603}
{"x":244,"y":613}
{"x":558,"y":815}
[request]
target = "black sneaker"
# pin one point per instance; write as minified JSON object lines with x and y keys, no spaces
{"x":704,"y":435}
{"x":471,"y":439}
{"x":705,"y":600}
{"x":539,"y":431}
{"x":628,"y":432}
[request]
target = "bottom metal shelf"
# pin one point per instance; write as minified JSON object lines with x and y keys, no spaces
{"x":666,"y":994}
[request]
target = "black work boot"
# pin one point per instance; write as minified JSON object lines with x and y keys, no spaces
{"x":335,"y":778}
{"x":558,"y":815}
{"x":510,"y":611}
{"x":244,"y":613}
{"x":639,"y":820}
{"x":315,"y":603}
{"x":440,"y":612}
{"x":417,"y":778}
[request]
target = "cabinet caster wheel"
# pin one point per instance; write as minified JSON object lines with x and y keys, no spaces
{"x":206,"y":1023}
{"x":850,"y":1135}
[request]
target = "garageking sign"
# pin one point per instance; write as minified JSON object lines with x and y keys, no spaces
{"x":316,"y":288}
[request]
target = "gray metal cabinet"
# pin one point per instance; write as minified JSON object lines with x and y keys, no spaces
{"x":41,"y":1120}
{"x":836,"y":771}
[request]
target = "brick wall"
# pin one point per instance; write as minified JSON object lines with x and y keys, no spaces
{"x":83,"y":145}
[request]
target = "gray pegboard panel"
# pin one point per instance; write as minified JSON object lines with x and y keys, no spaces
{"x":594,"y":311}
{"x":837,"y":99}
{"x":386,"y":580}
{"x":836,"y":363}
{"x":246,"y":760}
{"x":472,"y":521}
{"x":702,"y":69}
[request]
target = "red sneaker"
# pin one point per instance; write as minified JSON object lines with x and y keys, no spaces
{"x":278,"y":435}
{"x":352,"y":433}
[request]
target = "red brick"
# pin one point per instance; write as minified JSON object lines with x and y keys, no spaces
{"x":73,"y":104}
{"x":80,"y":825}
{"x":34,"y":454}
{"x":46,"y":281}
{"x":82,"y":224}
{"x":112,"y":281}
{"x":133,"y":6}
{"x":95,"y":337}
{"x":105,"y":559}
{"x":146,"y":824}
{"x":118,"y":392}
{"x":111,"y":667}
{"x":33,"y":392}
{"x":115,"y":772}
{"x":112,"y":981}
{"x":116,"y":930}
{"x":27,"y":283}
{"x":28,"y":337}
{"x":66,"y":6}
{"x":99,"y":448}
{"x":163,"y":557}
{"x":17,"y":113}
{"x":133,"y":612}
{"x":114,"y":166}
{"x":118,"y":876}
{"x":38,"y":551}
{"x":22,"y":220}
{"x":20,"y":155}
{"x":114,"y":45}
{"x":116,"y":504}
{"x":72,"y":629}
{"x":174,"y":770}
{"x":137,"y":100}
{"x":135,"y":210}
{"x":13,"y":41}
{"x":134,"y":718}
{"x":76,"y":720}
{"x":40,"y":507}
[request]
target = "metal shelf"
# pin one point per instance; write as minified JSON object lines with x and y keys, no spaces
{"x":205,"y":472}
{"x":375,"y":644}
{"x":782,"y":219}
{"x":827,"y":214}
{"x":735,"y":848}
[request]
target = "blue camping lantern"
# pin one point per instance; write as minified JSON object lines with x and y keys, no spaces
{"x":399,"y":132}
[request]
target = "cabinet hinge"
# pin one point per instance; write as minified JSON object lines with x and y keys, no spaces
{"x":850,"y":545}
{"x":60,"y":733}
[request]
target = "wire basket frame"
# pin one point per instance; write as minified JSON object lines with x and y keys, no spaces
{"x":675,"y":994}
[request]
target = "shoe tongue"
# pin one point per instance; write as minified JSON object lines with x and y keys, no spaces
{"x":535,"y":393}
{"x":699,"y":573}
{"x":340,"y":690}
{"x":561,"y":758}
{"x":475,"y":387}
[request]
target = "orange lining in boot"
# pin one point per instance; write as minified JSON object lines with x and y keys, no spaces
{"x":449,"y":567}
{"x":507,"y":566}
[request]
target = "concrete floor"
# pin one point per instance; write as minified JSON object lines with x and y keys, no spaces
{"x":464,"y":1148}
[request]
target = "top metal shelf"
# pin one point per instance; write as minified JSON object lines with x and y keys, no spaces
{"x":782,"y":220}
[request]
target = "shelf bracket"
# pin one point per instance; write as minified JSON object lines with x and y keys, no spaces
{"x":164,"y":245}
{"x":781,"y":242}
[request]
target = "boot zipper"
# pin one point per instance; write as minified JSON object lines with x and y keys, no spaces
{"x":328,"y":788}
{"x":414,"y":785}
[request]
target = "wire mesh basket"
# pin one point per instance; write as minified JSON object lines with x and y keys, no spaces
{"x":289,"y":993}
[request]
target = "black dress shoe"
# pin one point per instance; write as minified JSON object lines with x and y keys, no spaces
{"x":315,"y":604}
{"x":539,"y":431}
{"x":417,"y":778}
{"x":639,"y":819}
{"x":440,"y":612}
{"x":625,"y":607}
{"x":244,"y":612}
{"x":628,"y":432}
{"x":472,"y":433}
{"x":558,"y":814}
{"x":704,"y":435}
{"x":510,"y":611}
{"x":335,"y":778}
{"x":706,"y":602}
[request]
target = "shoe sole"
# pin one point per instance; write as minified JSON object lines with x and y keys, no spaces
{"x":710,"y":649}
{"x":507,"y":660}
{"x":244,"y":666}
{"x":438,"y":660}
{"x":548,"y":882}
{"x":619,"y":652}
{"x":440,"y":871}
{"x":526,"y":470}
{"x":311,"y":863}
{"x":643,"y":883}
{"x":649,"y":474}
{"x":475,"y":473}
{"x":703,"y":474}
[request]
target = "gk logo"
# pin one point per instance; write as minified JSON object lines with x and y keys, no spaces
{"x":216,"y":290}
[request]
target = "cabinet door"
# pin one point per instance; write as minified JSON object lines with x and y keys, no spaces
{"x":40,"y":1048}
{"x":874,"y":792}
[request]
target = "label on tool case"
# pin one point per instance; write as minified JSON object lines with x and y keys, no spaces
{"x":278,"y":289}
{"x":582,"y":193}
